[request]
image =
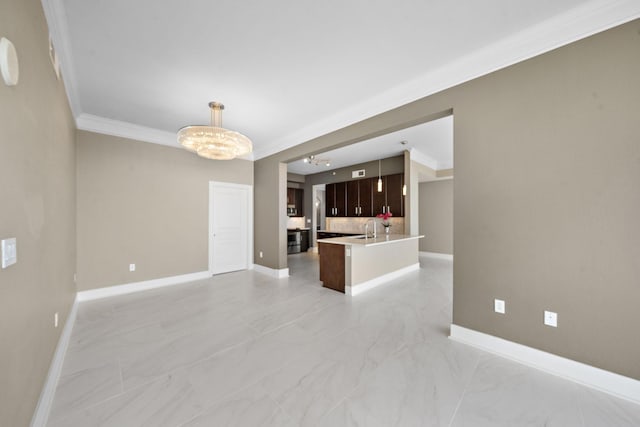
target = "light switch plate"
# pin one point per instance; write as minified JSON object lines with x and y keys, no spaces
{"x":9,"y":252}
{"x":498,"y":306}
{"x":551,"y":318}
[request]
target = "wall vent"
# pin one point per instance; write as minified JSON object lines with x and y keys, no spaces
{"x":357,"y":174}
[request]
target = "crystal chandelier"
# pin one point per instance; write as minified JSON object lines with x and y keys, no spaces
{"x":214,"y":142}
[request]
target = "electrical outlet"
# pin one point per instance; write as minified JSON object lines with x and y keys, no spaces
{"x":499,"y":306}
{"x":260,"y":254}
{"x":55,"y":320}
{"x":132,"y":267}
{"x":551,"y":318}
{"x":9,"y":252}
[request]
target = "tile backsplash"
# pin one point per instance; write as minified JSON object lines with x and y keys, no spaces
{"x":356,"y":225}
{"x":296,"y":222}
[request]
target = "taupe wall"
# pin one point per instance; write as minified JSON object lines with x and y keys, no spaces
{"x":37,"y":172}
{"x":270,"y":219}
{"x":436,"y":216}
{"x":546,"y":200}
{"x":145,"y":204}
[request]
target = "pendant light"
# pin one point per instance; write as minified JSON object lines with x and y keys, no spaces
{"x":214,"y":142}
{"x":379,"y":176}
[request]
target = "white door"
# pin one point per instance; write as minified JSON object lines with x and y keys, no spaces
{"x":230,"y":225}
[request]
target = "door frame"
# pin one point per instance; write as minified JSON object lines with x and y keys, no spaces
{"x":249,"y":194}
{"x":313,"y":236}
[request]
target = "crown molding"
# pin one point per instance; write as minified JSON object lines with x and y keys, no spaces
{"x":580,"y":22}
{"x":97,"y":124}
{"x":590,"y":18}
{"x":423,"y":159}
{"x":105,"y":126}
{"x":56,"y":18}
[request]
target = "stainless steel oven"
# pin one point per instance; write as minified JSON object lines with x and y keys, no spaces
{"x":293,"y":241}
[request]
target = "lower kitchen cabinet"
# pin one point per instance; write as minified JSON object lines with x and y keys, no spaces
{"x":332,"y":266}
{"x":304,"y":240}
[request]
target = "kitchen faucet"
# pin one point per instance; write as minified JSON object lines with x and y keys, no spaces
{"x":366,"y":228}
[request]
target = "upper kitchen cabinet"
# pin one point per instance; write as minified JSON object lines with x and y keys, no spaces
{"x":359,"y":198}
{"x":295,"y":202}
{"x":391,"y":198}
{"x":336,"y":199}
{"x":395,"y":200}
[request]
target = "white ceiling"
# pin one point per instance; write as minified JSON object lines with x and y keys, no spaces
{"x":289,"y":71}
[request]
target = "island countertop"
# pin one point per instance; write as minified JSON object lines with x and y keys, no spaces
{"x":381,"y":239}
{"x":353,"y":264}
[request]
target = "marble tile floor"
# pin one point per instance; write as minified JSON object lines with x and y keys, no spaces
{"x":244,"y":349}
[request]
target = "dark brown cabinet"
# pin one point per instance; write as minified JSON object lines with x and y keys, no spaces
{"x":391,"y":198}
{"x":378,"y":199}
{"x":359,"y":198}
{"x":332,"y":266}
{"x":395,"y":200}
{"x":336,"y":199}
{"x":304,"y":240}
{"x":295,"y":202}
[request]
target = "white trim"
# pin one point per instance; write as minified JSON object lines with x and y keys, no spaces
{"x":380,"y":280}
{"x":278,"y":274}
{"x":423,"y":159}
{"x":436,"y":255}
{"x":43,"y":407}
{"x":599,"y":379}
{"x":56,"y":17}
{"x":102,"y":125}
{"x":145,"y":285}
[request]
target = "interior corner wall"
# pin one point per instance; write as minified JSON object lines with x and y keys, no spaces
{"x":411,"y":225}
{"x":144,"y":204}
{"x":270,"y":217}
{"x":436,"y":216}
{"x":37,"y":171}
{"x":546,"y":200}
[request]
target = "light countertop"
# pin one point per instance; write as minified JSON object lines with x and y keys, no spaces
{"x":382,"y":239}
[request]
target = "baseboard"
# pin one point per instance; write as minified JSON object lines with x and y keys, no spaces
{"x":370,"y":284}
{"x":596,"y":378}
{"x":436,"y":255}
{"x":278,"y":274}
{"x":43,"y":408}
{"x":140,"y":286}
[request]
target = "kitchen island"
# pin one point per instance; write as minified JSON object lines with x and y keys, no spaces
{"x":353,"y":265}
